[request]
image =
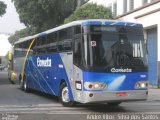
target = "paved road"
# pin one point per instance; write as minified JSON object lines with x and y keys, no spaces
{"x":15,"y":101}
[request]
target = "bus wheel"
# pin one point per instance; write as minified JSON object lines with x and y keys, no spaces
{"x":64,"y":96}
{"x":21,"y":84}
{"x":25,"y":87}
{"x":114,"y":103}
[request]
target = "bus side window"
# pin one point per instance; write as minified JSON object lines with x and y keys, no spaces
{"x":67,"y":45}
{"x":65,"y":39}
{"x":51,"y":45}
{"x":40,"y":45}
{"x":25,"y":46}
{"x":77,"y":52}
{"x":77,"y":30}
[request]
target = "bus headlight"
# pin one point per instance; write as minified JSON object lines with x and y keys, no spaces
{"x":141,"y":85}
{"x":95,"y":85}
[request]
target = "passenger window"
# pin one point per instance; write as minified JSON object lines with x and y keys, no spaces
{"x":51,"y":38}
{"x":40,"y":47}
{"x":77,"y":52}
{"x":51,"y":45}
{"x":65,"y":39}
{"x":65,"y":45}
{"x":77,"y":30}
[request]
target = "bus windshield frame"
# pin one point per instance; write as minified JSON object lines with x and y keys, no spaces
{"x":106,"y":47}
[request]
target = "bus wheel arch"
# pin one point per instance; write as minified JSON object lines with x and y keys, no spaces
{"x":64,"y":94}
{"x":62,"y":81}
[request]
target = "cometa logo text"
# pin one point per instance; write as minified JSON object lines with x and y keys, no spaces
{"x":114,"y":70}
{"x":44,"y":63}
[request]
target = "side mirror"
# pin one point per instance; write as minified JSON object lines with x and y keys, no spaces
{"x":9,"y":56}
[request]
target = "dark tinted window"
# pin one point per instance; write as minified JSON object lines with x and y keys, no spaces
{"x":65,"y":34}
{"x":65,"y":45}
{"x":51,"y":45}
{"x":77,"y":30}
{"x":40,"y":45}
{"x":51,"y":37}
{"x":65,"y":39}
{"x":62,"y":34}
{"x":77,"y":52}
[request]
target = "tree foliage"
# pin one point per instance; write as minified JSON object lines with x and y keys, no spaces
{"x":44,"y":14}
{"x":90,"y":11}
{"x":3,"y":7}
{"x":40,"y":15}
{"x":22,"y":33}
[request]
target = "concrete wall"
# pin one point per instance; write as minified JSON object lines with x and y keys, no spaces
{"x":120,"y":4}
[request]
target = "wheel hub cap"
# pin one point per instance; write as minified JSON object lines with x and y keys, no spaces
{"x":65,"y":95}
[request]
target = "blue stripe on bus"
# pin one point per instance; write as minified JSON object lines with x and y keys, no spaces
{"x":110,"y":23}
{"x":46,"y":79}
{"x":91,"y":23}
{"x":116,"y":81}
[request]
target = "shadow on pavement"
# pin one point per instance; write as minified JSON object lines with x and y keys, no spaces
{"x":40,"y":94}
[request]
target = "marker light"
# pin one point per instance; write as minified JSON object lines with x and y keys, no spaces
{"x":90,"y":86}
{"x":141,"y":85}
{"x":95,"y":85}
{"x":78,"y":85}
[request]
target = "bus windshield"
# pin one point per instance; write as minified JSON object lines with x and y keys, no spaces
{"x":115,"y":46}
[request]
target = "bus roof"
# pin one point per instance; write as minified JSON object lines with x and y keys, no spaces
{"x":82,"y":23}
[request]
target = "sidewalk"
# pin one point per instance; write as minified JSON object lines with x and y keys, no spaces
{"x":153,"y":94}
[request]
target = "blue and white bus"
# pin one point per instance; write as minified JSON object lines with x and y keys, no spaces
{"x":86,"y":61}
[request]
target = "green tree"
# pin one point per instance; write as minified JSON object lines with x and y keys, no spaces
{"x":22,"y":33}
{"x":2,"y":8}
{"x":41,"y":15}
{"x":90,"y":11}
{"x":44,"y":14}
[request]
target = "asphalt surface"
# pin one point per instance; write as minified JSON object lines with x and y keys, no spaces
{"x":28,"y":106}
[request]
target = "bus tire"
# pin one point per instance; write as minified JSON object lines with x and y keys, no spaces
{"x":113,"y":103}
{"x":64,"y":96}
{"x":25,"y":87}
{"x":21,"y":83}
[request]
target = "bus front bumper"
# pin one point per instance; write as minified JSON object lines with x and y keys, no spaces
{"x":96,"y":97}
